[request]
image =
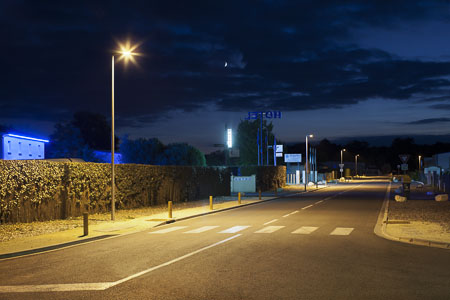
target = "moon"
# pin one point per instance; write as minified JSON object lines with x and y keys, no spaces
{"x":226,"y":64}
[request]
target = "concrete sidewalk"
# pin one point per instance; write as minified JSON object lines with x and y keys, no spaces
{"x":110,"y":229}
{"x":407,"y":228}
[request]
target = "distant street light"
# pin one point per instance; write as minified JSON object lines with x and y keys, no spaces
{"x":342,"y":161}
{"x":420,"y":162}
{"x":306,"y":161}
{"x":126,"y":54}
{"x":356,"y":164}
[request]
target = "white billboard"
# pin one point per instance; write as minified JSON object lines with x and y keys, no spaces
{"x":297,"y":157}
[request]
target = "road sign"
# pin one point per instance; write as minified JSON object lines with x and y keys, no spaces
{"x":404,"y":158}
{"x":279,"y":148}
{"x":341,"y":166}
{"x":293,"y":157}
{"x":341,"y":170}
{"x":404,"y":167}
{"x":279,"y":154}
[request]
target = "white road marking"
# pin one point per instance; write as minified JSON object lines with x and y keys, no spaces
{"x":267,"y":223}
{"x":294,"y":212}
{"x":307,"y":206}
{"x":201,"y":229}
{"x":100,"y":285}
{"x":341,"y":231}
{"x":166,"y":230}
{"x":287,"y":215}
{"x":305,"y":230}
{"x":319,"y":201}
{"x":234,"y":229}
{"x":269,"y":229}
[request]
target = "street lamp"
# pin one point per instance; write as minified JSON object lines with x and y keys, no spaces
{"x":356,"y":165}
{"x":342,"y":163}
{"x":126,"y":54}
{"x":420,"y":161}
{"x":306,"y":160}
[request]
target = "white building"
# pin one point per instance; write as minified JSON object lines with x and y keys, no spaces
{"x":22,"y":147}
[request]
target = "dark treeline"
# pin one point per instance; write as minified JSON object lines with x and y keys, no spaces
{"x":385,"y":158}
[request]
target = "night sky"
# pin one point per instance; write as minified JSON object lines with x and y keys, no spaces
{"x":337,"y":69}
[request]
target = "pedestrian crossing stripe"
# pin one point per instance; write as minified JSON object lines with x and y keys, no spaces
{"x":305,"y":230}
{"x":201,"y":229}
{"x":269,"y":229}
{"x":341,"y":231}
{"x":170,"y":229}
{"x":234,"y":229}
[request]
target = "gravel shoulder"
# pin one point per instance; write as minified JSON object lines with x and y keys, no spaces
{"x":421,"y":217}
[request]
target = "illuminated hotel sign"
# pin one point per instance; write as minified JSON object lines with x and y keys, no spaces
{"x":229,"y":138}
{"x":254,"y":115}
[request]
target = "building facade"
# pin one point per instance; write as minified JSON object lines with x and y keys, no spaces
{"x":18,"y":147}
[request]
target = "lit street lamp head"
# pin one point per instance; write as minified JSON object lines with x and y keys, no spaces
{"x":126,"y":51}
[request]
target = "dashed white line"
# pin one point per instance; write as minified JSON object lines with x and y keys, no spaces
{"x":267,"y":223}
{"x":319,"y":201}
{"x":307,"y":206}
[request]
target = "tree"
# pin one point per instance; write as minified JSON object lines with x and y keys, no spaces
{"x":182,"y":154}
{"x":216,"y":158}
{"x":94,"y":129}
{"x":141,"y":151}
{"x":67,"y":142}
{"x":247,"y":140}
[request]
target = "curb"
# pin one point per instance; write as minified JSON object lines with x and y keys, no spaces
{"x":380,"y":228}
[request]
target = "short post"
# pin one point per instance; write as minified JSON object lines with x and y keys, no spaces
{"x":211,"y":202}
{"x":170,"y":209}
{"x":259,"y":191}
{"x":86,"y":223}
{"x":239,"y":198}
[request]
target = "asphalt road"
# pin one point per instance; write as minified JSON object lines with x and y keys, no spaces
{"x":318,"y":245}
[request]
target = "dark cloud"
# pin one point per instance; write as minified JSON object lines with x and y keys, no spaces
{"x":289,"y":55}
{"x":430,"y":121}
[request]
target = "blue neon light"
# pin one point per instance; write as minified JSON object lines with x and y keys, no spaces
{"x":26,"y":137}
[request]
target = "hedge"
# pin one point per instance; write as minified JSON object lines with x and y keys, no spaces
{"x":43,"y":190}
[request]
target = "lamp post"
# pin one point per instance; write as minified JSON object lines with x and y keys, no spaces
{"x":306,"y":160}
{"x":420,"y":162}
{"x":342,"y":161}
{"x":356,"y":165}
{"x":126,"y":54}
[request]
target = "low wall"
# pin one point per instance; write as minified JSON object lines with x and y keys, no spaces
{"x":43,"y":190}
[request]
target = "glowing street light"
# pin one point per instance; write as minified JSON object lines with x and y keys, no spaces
{"x":420,"y":162}
{"x":342,"y":161}
{"x":127,"y":54}
{"x":356,"y":164}
{"x":306,"y":160}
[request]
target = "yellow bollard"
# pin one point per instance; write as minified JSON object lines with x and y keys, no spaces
{"x":170,"y":209}
{"x":86,"y":224}
{"x":210,"y":202}
{"x":239,"y":198}
{"x":259,"y":194}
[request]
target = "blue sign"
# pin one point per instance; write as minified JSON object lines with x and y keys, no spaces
{"x":254,"y":115}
